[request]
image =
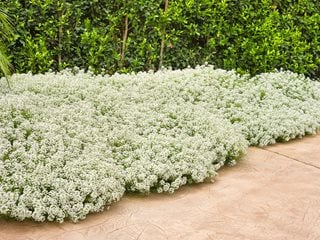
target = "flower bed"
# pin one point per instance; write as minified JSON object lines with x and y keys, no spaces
{"x":73,"y":144}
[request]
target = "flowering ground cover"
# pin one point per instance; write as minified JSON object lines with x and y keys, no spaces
{"x":71,"y":144}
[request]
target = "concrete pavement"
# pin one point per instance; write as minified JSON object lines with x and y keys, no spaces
{"x":273,"y":194}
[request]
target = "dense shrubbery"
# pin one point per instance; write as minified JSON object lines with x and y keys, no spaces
{"x":246,"y":35}
{"x":71,"y":144}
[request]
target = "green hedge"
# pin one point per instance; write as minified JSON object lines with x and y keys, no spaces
{"x":118,"y":35}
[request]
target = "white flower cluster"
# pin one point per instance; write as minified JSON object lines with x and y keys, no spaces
{"x":73,"y":144}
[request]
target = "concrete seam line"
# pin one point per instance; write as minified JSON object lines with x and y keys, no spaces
{"x":297,"y":160}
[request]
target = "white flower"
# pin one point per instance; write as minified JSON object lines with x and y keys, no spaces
{"x":72,"y":143}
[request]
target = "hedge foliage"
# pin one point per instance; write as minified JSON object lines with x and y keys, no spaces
{"x":118,"y":35}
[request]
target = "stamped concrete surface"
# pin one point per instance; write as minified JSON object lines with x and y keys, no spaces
{"x":273,"y":194}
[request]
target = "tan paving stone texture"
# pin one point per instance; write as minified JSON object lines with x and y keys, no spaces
{"x":273,"y":194}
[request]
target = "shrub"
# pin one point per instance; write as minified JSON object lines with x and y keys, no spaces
{"x":124,"y":36}
{"x":73,"y":144}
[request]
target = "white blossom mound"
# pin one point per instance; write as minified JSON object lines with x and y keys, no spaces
{"x":71,"y":144}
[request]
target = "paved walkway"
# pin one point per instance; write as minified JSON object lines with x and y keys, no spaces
{"x":273,"y":194}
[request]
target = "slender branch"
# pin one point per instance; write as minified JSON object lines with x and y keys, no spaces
{"x":60,"y":36}
{"x":163,"y":37}
{"x":124,"y":38}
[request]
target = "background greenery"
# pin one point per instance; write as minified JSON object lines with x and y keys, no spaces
{"x":5,"y":33}
{"x":118,"y":35}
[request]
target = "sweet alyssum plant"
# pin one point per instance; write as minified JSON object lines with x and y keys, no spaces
{"x":72,"y":143}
